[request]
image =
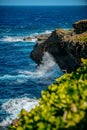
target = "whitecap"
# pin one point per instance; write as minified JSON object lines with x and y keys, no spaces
{"x":47,"y":70}
{"x":12,"y":77}
{"x":14,"y":106}
{"x":48,"y":32}
{"x":11,"y":39}
{"x":41,"y":33}
{"x":21,"y":39}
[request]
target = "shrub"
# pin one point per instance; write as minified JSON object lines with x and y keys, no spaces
{"x":63,"y":106}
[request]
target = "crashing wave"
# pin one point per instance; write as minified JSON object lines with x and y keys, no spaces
{"x":21,"y":39}
{"x":14,"y":106}
{"x":11,"y":39}
{"x":48,"y":70}
{"x":16,"y":39}
{"x":47,"y":67}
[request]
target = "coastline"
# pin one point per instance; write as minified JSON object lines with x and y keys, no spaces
{"x":20,"y":31}
{"x":66,"y":46}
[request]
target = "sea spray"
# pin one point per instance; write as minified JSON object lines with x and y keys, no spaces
{"x":47,"y":68}
{"x":47,"y":71}
{"x":32,"y":36}
{"x":10,"y":39}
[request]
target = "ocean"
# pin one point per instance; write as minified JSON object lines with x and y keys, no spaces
{"x":21,"y":80}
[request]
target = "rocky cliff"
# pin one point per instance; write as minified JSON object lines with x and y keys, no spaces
{"x":66,"y":46}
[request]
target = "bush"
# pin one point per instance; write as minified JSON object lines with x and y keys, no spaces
{"x":63,"y":106}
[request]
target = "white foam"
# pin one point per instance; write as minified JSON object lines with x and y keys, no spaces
{"x":46,"y":70}
{"x":48,"y":32}
{"x":17,"y":39}
{"x":21,"y":39}
{"x":12,"y":39}
{"x":47,"y":67}
{"x":40,"y":33}
{"x":14,"y":106}
{"x":11,"y":77}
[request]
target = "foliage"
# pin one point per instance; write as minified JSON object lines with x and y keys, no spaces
{"x":63,"y":106}
{"x":82,"y":37}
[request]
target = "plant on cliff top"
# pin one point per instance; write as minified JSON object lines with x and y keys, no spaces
{"x":63,"y":106}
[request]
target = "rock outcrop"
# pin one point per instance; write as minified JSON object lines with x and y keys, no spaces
{"x":66,"y":46}
{"x":80,"y":26}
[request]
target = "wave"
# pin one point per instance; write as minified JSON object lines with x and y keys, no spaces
{"x":47,"y":32}
{"x":48,"y":65}
{"x":45,"y":73}
{"x":16,"y":39}
{"x":12,"y":77}
{"x":11,"y":39}
{"x":13,"y":107}
{"x":46,"y":70}
{"x":21,"y":39}
{"x":41,"y":33}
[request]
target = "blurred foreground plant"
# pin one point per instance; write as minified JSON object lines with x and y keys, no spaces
{"x":63,"y":106}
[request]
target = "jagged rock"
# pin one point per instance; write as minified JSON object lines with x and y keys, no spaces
{"x":28,"y":38}
{"x":66,"y":47}
{"x":80,"y":26}
{"x":41,"y":38}
{"x":15,"y":122}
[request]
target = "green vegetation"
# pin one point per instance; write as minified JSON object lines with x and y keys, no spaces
{"x":63,"y":106}
{"x":81,"y":37}
{"x":84,"y":38}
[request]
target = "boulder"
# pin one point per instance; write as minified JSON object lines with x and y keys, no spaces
{"x":80,"y":26}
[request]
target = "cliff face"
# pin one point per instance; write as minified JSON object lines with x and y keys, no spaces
{"x":67,"y":47}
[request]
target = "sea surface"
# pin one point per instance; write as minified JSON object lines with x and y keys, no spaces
{"x":21,"y":80}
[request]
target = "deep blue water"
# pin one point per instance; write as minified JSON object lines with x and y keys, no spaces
{"x":21,"y":81}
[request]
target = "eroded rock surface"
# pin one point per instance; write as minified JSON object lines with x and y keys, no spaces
{"x":66,"y":46}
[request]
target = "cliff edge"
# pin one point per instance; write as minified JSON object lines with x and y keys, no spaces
{"x":66,"y":46}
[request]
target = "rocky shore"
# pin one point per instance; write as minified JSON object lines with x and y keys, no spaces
{"x":66,"y":46}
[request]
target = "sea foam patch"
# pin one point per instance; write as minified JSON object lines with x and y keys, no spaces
{"x":21,"y":39}
{"x":16,"y":39}
{"x":14,"y":106}
{"x":11,"y":39}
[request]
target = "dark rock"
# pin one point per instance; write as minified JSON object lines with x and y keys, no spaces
{"x":15,"y":122}
{"x":80,"y":26}
{"x":66,"y":47}
{"x":28,"y":38}
{"x":41,"y":38}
